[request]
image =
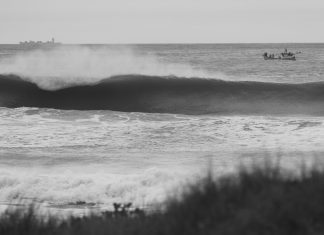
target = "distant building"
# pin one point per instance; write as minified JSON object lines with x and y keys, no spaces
{"x":32,"y":44}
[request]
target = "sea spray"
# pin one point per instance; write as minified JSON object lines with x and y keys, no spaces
{"x":67,"y":66}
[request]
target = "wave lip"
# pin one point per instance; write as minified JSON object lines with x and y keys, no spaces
{"x":139,"y":93}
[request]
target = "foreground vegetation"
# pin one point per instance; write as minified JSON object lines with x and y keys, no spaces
{"x":261,"y":201}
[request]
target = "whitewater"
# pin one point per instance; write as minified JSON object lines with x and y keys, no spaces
{"x":131,"y":123}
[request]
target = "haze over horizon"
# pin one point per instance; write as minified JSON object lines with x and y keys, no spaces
{"x":152,"y":21}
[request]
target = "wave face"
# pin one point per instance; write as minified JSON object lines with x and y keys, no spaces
{"x":138,"y":93}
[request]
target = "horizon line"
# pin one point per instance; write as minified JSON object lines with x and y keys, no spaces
{"x":164,"y":43}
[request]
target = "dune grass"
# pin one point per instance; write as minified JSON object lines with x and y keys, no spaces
{"x":265,"y":200}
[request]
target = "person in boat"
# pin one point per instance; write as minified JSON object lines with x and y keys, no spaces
{"x":285,"y":53}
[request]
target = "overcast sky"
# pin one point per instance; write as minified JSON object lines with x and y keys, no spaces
{"x":162,"y":21}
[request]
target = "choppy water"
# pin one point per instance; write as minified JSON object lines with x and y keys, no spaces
{"x":60,"y":156}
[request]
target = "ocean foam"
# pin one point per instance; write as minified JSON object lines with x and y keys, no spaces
{"x":69,"y":185}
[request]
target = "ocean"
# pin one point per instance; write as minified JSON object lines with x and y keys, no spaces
{"x":84,"y":126}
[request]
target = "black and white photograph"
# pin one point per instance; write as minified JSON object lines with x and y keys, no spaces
{"x":173,"y":117}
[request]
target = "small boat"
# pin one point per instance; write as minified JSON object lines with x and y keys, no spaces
{"x":282,"y":56}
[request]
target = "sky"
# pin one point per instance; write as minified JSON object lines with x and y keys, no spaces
{"x":162,"y":21}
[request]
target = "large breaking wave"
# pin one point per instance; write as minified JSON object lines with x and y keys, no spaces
{"x":163,"y":94}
